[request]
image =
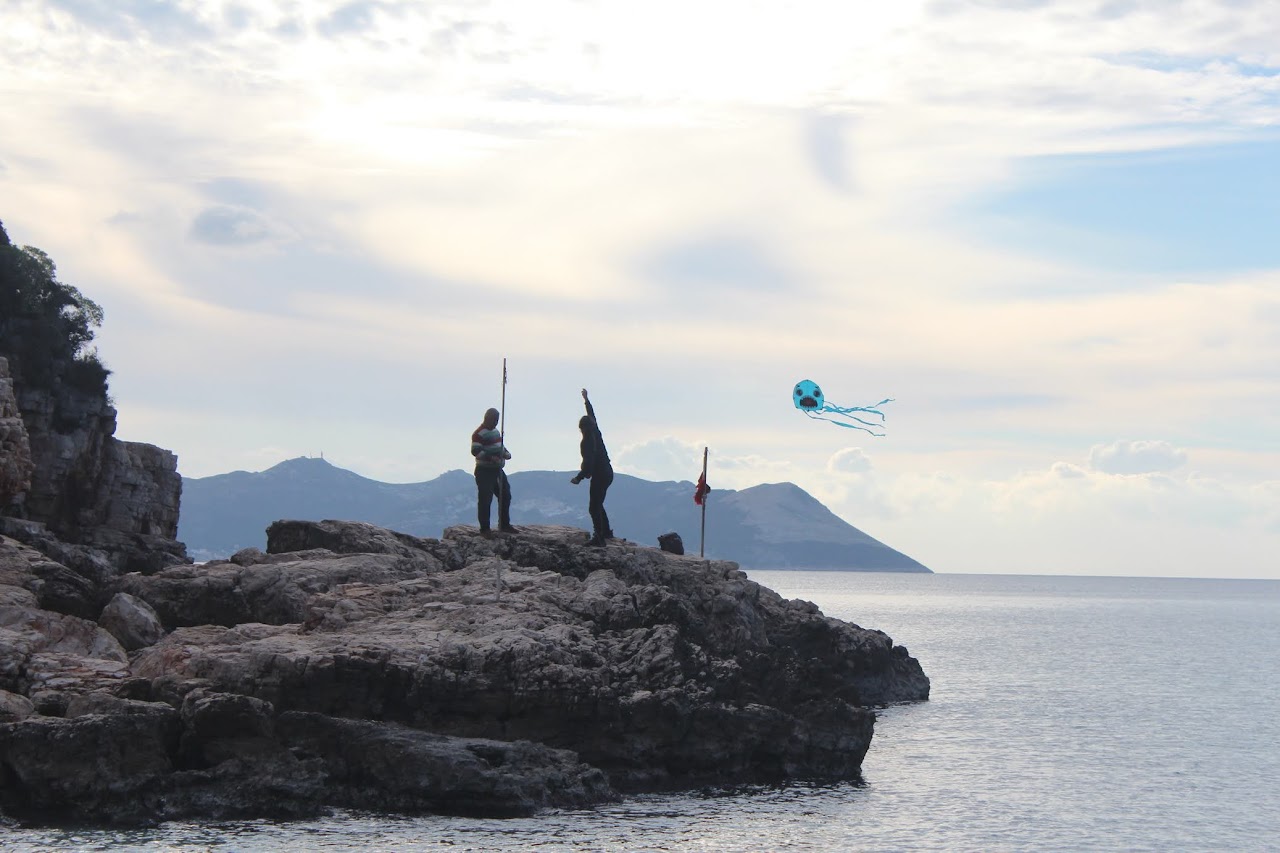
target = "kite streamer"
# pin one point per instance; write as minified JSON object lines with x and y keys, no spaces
{"x":809,"y":399}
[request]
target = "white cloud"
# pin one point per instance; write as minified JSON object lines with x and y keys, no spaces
{"x":225,"y":225}
{"x":670,"y":458}
{"x":849,"y":460}
{"x":1136,"y":457}
{"x":666,"y":458}
{"x":1069,"y":519}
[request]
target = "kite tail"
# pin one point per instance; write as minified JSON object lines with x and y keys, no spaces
{"x":865,"y":428}
{"x":848,"y":410}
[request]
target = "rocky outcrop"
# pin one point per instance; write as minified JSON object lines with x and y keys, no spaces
{"x":353,"y":666}
{"x":16,"y":464}
{"x":81,"y":483}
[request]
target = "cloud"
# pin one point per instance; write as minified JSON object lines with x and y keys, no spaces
{"x":1136,"y":457}
{"x":723,"y":260}
{"x":1266,"y":498}
{"x":1067,"y":518}
{"x":666,"y":458}
{"x":671,"y":458}
{"x":849,"y":460}
{"x":223,"y":225}
{"x":828,"y":149}
{"x":752,"y":468}
{"x":237,"y":192}
{"x":124,"y":18}
{"x":351,"y":18}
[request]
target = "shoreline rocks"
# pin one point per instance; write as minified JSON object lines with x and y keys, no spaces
{"x":519,"y":672}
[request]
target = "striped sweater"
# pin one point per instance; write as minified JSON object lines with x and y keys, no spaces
{"x":487,"y":448}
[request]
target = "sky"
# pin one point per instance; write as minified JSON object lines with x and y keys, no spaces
{"x":1047,"y":230}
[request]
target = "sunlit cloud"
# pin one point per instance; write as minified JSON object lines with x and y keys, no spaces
{"x":1136,"y":457}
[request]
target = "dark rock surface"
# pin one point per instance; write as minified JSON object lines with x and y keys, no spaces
{"x":352,"y":666}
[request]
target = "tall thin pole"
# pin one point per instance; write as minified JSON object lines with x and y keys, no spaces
{"x":702,"y":541}
{"x":502,"y":428}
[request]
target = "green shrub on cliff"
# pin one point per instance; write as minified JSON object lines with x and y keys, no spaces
{"x":46,"y":326}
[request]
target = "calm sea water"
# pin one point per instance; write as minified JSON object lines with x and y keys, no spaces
{"x":1067,"y":713}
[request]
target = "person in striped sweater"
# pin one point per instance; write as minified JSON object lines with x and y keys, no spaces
{"x":491,"y":455}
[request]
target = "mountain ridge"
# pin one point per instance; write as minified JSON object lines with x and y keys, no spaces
{"x":766,"y":526}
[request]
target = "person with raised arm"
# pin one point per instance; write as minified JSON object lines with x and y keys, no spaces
{"x":596,"y":468}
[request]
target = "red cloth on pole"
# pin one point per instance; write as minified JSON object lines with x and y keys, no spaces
{"x":700,"y":494}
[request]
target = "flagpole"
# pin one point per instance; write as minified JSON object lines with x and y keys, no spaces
{"x":502,"y":428}
{"x":702,"y":541}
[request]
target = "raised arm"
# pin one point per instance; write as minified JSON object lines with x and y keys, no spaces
{"x":591,"y":413}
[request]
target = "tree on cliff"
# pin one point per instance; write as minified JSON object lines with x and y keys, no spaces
{"x":46,"y":326}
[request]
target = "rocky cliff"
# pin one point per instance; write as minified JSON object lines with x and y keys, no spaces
{"x":84,"y":485}
{"x":16,"y":464}
{"x":352,"y":666}
{"x":89,"y":488}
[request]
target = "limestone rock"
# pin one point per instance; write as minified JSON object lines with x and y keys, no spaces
{"x":49,"y":656}
{"x":397,"y":768}
{"x":344,"y":537}
{"x":14,"y":707}
{"x":131,"y":621}
{"x":274,"y":591}
{"x":71,"y":579}
{"x":102,"y":767}
{"x":16,"y":465}
{"x":86,"y":486}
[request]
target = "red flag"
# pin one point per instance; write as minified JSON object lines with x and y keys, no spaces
{"x":700,"y":494}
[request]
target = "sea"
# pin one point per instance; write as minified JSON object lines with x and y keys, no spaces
{"x":1067,"y":713}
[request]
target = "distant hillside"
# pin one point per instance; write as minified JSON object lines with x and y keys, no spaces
{"x":772,"y":526}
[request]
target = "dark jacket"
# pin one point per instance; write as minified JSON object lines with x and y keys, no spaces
{"x":595,"y":458}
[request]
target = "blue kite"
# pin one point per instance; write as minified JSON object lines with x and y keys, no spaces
{"x":809,"y":399}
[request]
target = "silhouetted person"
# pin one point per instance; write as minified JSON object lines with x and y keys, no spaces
{"x":597,"y":468}
{"x":491,"y":455}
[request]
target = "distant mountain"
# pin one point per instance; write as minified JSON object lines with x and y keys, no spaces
{"x":771,"y":526}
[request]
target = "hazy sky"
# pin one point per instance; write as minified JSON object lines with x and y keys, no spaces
{"x":1049,"y":230}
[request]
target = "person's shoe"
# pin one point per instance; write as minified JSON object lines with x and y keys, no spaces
{"x":508,"y":528}
{"x":486,"y":533}
{"x":608,"y":534}
{"x":596,"y":541}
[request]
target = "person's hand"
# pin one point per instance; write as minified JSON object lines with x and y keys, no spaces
{"x":506,"y":454}
{"x":576,"y":480}
{"x":584,"y":393}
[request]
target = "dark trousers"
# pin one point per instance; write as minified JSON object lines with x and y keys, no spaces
{"x":488,"y":481}
{"x":600,"y":482}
